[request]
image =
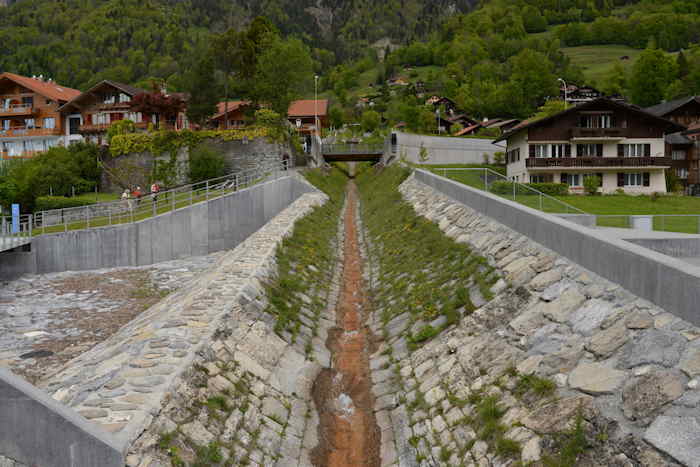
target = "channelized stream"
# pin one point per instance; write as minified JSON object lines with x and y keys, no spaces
{"x":348,"y":432}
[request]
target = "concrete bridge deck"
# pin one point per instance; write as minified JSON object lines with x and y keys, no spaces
{"x":11,"y":242}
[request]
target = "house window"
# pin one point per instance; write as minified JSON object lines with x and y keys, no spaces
{"x":29,"y":123}
{"x":596,"y":121}
{"x":110,"y":99}
{"x":633,"y":179}
{"x":28,"y":101}
{"x":571,"y":179}
{"x":560,"y":150}
{"x":682,"y":172}
{"x":589,"y":150}
{"x":50,"y":123}
{"x":634,"y":150}
{"x":74,"y":125}
{"x":678,"y":155}
{"x":123,"y":98}
{"x":49,"y":102}
{"x":547,"y":178}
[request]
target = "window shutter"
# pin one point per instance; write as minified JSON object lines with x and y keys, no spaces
{"x":563,"y":177}
{"x":532,"y":150}
{"x":600,"y":178}
{"x":645,"y":178}
{"x":599,"y":150}
{"x":567,"y":150}
{"x":620,"y":150}
{"x":647,"y":150}
{"x":620,"y":179}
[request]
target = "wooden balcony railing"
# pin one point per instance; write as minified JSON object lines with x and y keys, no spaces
{"x":605,"y":162}
{"x":23,"y":132}
{"x":5,"y":155}
{"x":597,"y":132}
{"x":18,"y":109}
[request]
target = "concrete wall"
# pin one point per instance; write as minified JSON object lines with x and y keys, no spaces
{"x":445,"y":150}
{"x":676,"y":247}
{"x":200,"y":229}
{"x":665,"y":281}
{"x":36,"y":430}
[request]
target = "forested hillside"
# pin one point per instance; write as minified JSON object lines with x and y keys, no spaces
{"x":78,"y":42}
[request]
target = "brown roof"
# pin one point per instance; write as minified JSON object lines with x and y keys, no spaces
{"x":48,"y":89}
{"x":125,"y":88}
{"x":468,"y":129}
{"x":232,"y":107}
{"x":671,"y":126}
{"x":306,"y":108}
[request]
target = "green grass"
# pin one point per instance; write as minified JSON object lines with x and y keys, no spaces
{"x":620,"y":206}
{"x":597,"y":60}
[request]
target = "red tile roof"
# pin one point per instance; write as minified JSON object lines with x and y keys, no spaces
{"x":48,"y":89}
{"x":306,"y":108}
{"x":232,"y":107}
{"x":468,"y":129}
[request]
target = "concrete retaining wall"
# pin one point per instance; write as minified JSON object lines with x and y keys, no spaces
{"x":667,"y":282}
{"x":200,"y":229}
{"x":676,"y":247}
{"x":445,"y":150}
{"x":37,"y":430}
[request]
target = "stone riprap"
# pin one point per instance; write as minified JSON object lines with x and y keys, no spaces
{"x":48,"y":319}
{"x":557,"y":351}
{"x":124,"y":383}
{"x":7,"y":462}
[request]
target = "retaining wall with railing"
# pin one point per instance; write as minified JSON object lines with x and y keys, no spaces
{"x":668,"y":282}
{"x":199,"y":229}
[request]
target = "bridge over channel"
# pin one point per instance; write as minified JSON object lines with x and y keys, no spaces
{"x":14,"y":235}
{"x":352,"y":152}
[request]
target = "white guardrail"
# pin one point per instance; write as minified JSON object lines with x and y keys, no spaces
{"x":14,"y":233}
{"x":152,"y":204}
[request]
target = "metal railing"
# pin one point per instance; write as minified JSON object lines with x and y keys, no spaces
{"x":500,"y":185}
{"x":136,"y":209}
{"x":351,"y":149}
{"x":680,"y":223}
{"x":17,"y":233}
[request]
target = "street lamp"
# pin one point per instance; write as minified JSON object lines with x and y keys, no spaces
{"x":316,"y":103}
{"x":566,"y":89}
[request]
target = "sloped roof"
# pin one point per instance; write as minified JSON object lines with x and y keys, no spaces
{"x":531,"y":123}
{"x":125,"y":88}
{"x":468,"y":129}
{"x":306,"y":108}
{"x":48,"y":89}
{"x":667,"y":107}
{"x":232,"y":107}
{"x":677,"y":138}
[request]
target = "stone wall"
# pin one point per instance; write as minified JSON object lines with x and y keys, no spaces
{"x":135,"y":169}
{"x":202,"y":374}
{"x":6,"y":461}
{"x":557,"y":353}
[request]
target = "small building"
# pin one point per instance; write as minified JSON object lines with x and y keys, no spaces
{"x":237,"y":113}
{"x":30,"y":120}
{"x":301,"y":114}
{"x":620,"y":143}
{"x":684,"y":147}
{"x":89,"y":115}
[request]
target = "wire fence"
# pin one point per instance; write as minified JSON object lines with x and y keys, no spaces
{"x":498,"y":184}
{"x":132,"y":210}
{"x":15,"y":232}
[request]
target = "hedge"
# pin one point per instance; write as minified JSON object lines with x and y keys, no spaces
{"x":551,"y":189}
{"x":47,"y":203}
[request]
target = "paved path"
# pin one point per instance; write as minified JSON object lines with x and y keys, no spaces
{"x":641,"y":234}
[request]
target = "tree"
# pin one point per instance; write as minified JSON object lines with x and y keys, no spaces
{"x":531,"y":81}
{"x":166,"y":106}
{"x":651,"y":75}
{"x":203,"y":100}
{"x":423,"y":154}
{"x":551,"y":107}
{"x":279,"y":85}
{"x":205,"y":163}
{"x":370,"y":120}
{"x":615,"y":81}
{"x":336,"y":117}
{"x":591,"y":184}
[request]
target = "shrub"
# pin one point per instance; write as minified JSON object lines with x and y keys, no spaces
{"x":501,"y":187}
{"x":47,"y":203}
{"x":206,"y":163}
{"x":551,"y":189}
{"x":499,"y":157}
{"x":591,"y":184}
{"x":487,"y":158}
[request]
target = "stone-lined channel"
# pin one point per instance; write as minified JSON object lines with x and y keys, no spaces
{"x":348,"y":431}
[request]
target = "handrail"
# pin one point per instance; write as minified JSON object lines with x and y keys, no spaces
{"x":517,"y":188}
{"x":131,"y":210}
{"x":14,"y":233}
{"x":349,"y":148}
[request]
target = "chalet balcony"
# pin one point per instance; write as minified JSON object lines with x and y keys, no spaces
{"x":596,"y":162}
{"x":597,"y":134}
{"x":22,"y":132}
{"x":93,"y":128}
{"x":16,"y":110}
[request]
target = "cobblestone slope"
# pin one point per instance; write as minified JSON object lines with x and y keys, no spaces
{"x":560,"y":366}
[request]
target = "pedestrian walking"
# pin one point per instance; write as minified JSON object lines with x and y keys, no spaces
{"x":285,"y":161}
{"x":155,"y":189}
{"x":137,"y":195}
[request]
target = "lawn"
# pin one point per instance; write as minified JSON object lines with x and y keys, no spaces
{"x":672,"y":213}
{"x":598,"y":60}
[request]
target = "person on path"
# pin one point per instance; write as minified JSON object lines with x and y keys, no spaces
{"x":137,"y":195}
{"x":155,"y":188}
{"x":285,"y":161}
